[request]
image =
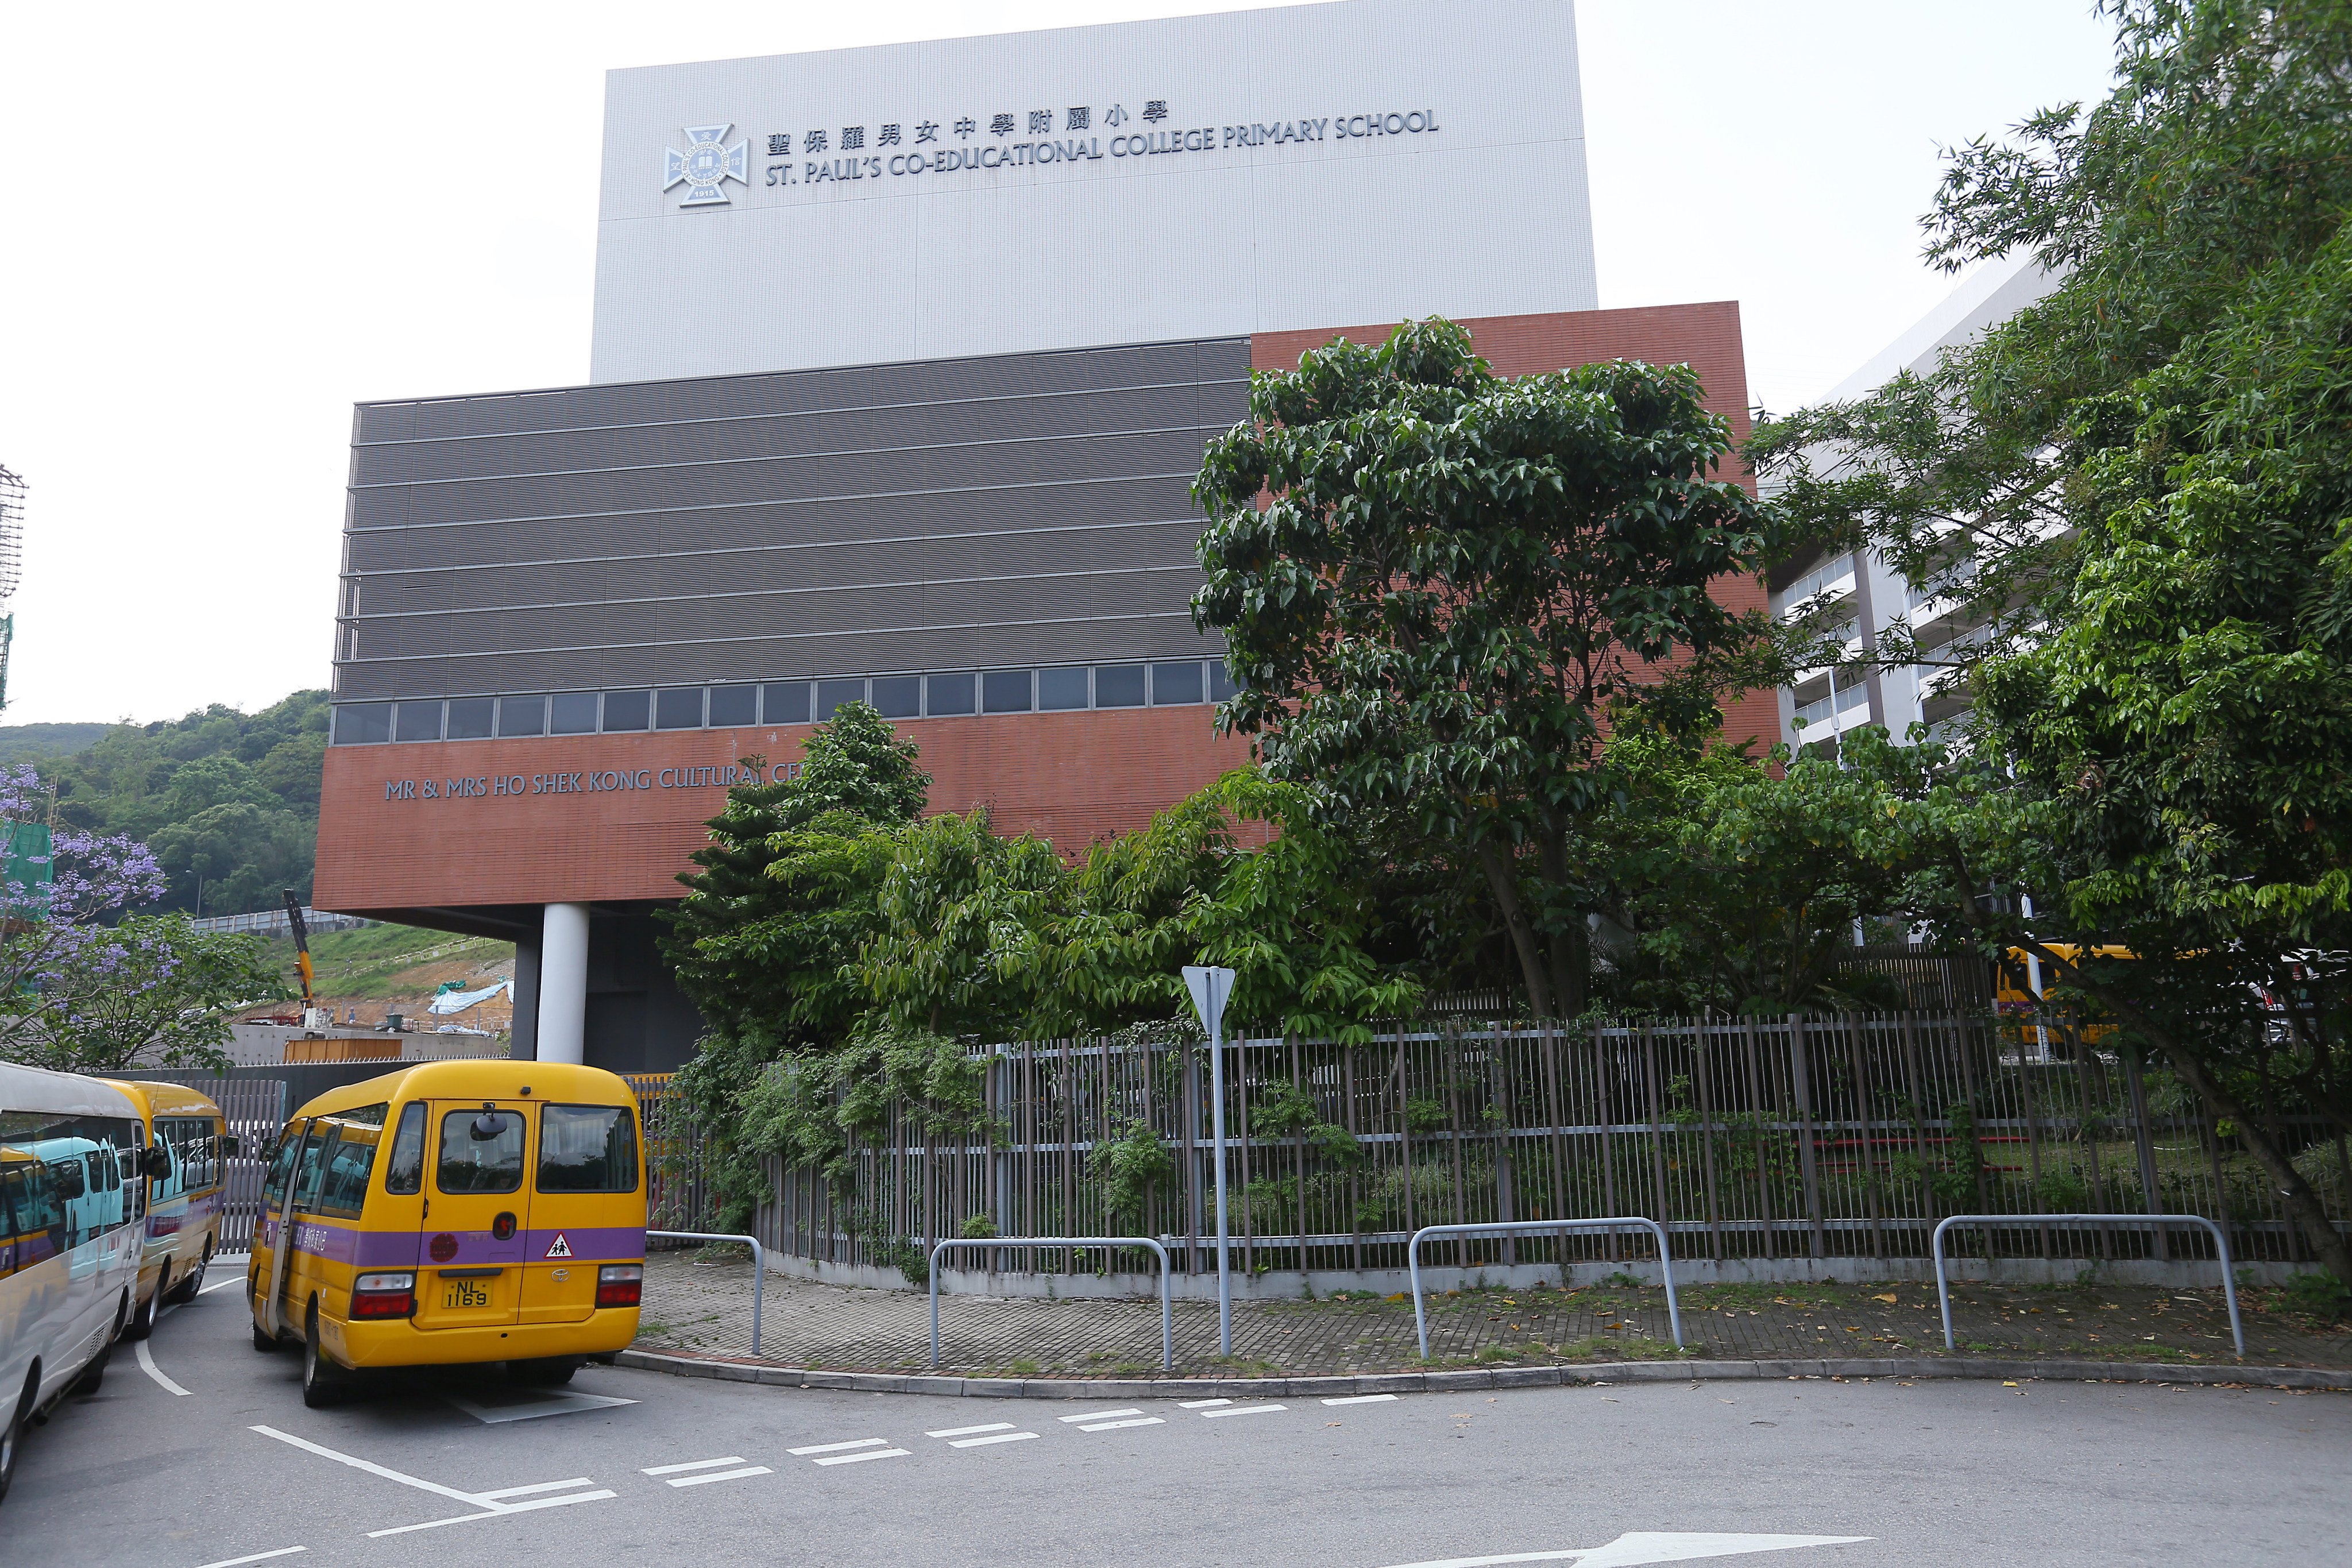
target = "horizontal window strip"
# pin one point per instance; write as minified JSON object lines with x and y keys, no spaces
{"x":827,"y":409}
{"x":692,"y":463}
{"x":378,"y":573}
{"x":702,"y":595}
{"x":1186,"y":474}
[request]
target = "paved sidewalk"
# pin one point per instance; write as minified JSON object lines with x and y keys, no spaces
{"x":704,"y":1307}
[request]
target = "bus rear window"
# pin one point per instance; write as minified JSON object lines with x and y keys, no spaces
{"x":481,"y":1152}
{"x":587,"y":1149}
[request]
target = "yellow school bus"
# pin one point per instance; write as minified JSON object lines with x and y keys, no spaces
{"x":188,"y":1150}
{"x":455,"y":1212}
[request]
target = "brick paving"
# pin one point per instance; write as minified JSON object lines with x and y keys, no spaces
{"x":703,"y":1305}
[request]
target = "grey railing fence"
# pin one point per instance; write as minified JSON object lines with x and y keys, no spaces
{"x":1848,"y":1135}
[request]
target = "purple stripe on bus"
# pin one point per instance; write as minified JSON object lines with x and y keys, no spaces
{"x":389,"y":1249}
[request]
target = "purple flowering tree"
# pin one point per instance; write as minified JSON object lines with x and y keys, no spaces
{"x":98,"y":986}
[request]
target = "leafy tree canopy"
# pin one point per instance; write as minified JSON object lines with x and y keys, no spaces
{"x":1442,"y":588}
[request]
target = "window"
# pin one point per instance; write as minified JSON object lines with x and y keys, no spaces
{"x":733,"y":707}
{"x":784,"y":702}
{"x":419,"y":722}
{"x":679,"y":708}
{"x":362,"y":723}
{"x":173,"y":1182}
{"x":949,"y":694}
{"x":404,"y":1173}
{"x":1005,"y":692}
{"x":628,"y":710}
{"x":195,"y":1145}
{"x":1175,"y":683}
{"x":481,"y":1152}
{"x":348,"y":1159}
{"x":522,"y":715}
{"x":832,"y":694}
{"x":573,"y":713}
{"x":312,"y":1167}
{"x":470,"y":718}
{"x":281,"y":1165}
{"x":898,"y":696}
{"x":1119,"y":685}
{"x":1221,"y":684}
{"x":587,"y":1149}
{"x":61,"y":1175}
{"x":1063,"y":689}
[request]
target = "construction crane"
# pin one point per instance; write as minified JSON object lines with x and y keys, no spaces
{"x":12,"y":560}
{"x":302,"y":933}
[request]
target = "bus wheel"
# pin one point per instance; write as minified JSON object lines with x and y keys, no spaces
{"x":142,"y":1316}
{"x":95,"y":1372}
{"x":547,"y":1372}
{"x":12,"y":1435}
{"x":192,"y":1283}
{"x":267,"y":1344}
{"x":322,"y":1380}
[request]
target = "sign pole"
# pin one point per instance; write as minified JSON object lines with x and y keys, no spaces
{"x":1210,"y":987}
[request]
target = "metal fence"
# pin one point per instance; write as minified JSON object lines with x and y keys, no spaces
{"x":255,"y":1109}
{"x":1801,"y":1137}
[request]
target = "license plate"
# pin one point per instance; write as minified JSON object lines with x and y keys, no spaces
{"x":456,"y":1293}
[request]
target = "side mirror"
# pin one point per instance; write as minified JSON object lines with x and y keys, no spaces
{"x":486,"y":1127}
{"x":157,"y":1163}
{"x":230,"y":1147}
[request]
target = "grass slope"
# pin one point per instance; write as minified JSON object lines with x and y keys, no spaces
{"x":30,"y":742}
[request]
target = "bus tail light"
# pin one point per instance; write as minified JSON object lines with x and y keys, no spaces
{"x":620,"y":1284}
{"x":384,"y":1296}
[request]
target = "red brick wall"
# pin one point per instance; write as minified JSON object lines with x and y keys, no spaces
{"x":1069,"y":777}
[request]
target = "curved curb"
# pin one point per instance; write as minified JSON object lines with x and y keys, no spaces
{"x":2298,"y":1377}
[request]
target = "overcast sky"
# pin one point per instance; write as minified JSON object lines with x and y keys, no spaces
{"x":226,"y":224}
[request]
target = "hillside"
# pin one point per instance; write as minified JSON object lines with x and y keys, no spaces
{"x":228,"y":800}
{"x":398,"y":969}
{"x":31,"y":742}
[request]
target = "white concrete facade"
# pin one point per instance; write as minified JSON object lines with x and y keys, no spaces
{"x":1311,"y":165}
{"x":1863,"y":585}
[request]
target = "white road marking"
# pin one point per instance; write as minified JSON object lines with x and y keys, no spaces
{"x":1199,"y":1403}
{"x":1245,"y":1410}
{"x":720,"y":1476}
{"x":256,"y":1557}
{"x":223,"y":1285}
{"x":868,"y":1454}
{"x":692,"y":1465}
{"x":1645,"y":1546}
{"x":837,"y":1448}
{"x":500,"y":1512}
{"x":967,"y":1431}
{"x":505,"y":1492}
{"x":564,"y":1403}
{"x":1115,"y":1425}
{"x":984,"y":1442}
{"x":147,"y":1365}
{"x":490,"y":1503}
{"x":1362,"y":1399}
{"x":1096,"y":1415}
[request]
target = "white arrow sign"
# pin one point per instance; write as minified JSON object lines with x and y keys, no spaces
{"x":1210,"y":987}
{"x":1651,"y":1546}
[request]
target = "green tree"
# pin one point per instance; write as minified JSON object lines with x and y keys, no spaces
{"x":1459,"y":583}
{"x":2143,"y":478}
{"x":150,"y":991}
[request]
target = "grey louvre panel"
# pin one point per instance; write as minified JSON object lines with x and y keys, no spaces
{"x":1009,"y":511}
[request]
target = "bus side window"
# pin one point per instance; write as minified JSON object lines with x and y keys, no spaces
{"x":403,"y":1174}
{"x":349,"y":1161}
{"x":174,"y":1182}
{"x":281,"y":1165}
{"x":313,"y":1165}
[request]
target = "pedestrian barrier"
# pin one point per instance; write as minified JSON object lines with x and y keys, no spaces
{"x":1516,"y":1228}
{"x":1167,"y":1311}
{"x":759,"y":1268}
{"x":2220,"y":1243}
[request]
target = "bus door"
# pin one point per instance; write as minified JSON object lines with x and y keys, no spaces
{"x":476,"y":1217}
{"x":586,"y":1208}
{"x":273,"y":1232}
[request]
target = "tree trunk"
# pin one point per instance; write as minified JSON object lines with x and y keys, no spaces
{"x":1503,"y":878}
{"x":1568,"y":941}
{"x":2303,"y":1206}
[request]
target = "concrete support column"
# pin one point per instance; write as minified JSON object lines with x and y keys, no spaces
{"x":563,"y":984}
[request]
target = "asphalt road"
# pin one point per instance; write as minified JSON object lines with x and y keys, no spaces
{"x":637,"y":1466}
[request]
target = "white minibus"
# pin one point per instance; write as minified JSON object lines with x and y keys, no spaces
{"x":72,"y":1162}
